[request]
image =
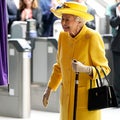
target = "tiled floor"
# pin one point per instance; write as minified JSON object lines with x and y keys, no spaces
{"x":36,"y":115}
{"x":107,"y":114}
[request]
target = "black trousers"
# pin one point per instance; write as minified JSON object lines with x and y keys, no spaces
{"x":116,"y":78}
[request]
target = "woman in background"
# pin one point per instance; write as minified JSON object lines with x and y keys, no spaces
{"x":28,"y":9}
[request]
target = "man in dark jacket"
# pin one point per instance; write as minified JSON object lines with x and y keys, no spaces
{"x":115,"y":46}
{"x":12,"y":12}
{"x":48,"y":18}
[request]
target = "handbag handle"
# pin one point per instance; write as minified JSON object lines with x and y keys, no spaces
{"x":105,"y":76}
{"x":100,"y":79}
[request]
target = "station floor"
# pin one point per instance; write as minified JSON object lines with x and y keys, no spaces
{"x":107,"y":114}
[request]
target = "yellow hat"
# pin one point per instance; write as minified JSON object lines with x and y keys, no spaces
{"x":73,"y":8}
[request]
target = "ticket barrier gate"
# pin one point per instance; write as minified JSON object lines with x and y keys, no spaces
{"x":15,"y":100}
{"x":107,"y":38}
{"x":44,"y":56}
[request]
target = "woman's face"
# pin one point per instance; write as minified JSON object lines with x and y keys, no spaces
{"x":27,"y":2}
{"x":71,"y":25}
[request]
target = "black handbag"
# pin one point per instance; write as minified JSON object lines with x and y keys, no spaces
{"x":102,"y":96}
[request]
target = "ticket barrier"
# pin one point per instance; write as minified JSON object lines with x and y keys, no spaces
{"x":15,"y":98}
{"x":44,"y":56}
{"x":107,"y":38}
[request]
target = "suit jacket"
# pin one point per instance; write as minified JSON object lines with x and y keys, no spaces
{"x":115,"y":24}
{"x":37,"y":15}
{"x":48,"y":18}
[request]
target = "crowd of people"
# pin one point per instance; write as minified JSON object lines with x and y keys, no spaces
{"x":40,"y":11}
{"x":33,"y":9}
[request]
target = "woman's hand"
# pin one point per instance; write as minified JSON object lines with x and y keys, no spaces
{"x":23,"y":15}
{"x":46,"y":96}
{"x":79,"y":67}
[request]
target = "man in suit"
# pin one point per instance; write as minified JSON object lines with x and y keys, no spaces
{"x":48,"y":18}
{"x":115,"y":46}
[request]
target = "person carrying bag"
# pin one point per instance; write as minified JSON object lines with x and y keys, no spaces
{"x":85,"y":45}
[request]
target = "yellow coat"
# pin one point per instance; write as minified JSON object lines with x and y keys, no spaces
{"x":88,"y":48}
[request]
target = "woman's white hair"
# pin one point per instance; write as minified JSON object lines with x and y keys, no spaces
{"x":78,"y":19}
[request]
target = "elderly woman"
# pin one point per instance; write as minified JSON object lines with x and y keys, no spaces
{"x":79,"y":50}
